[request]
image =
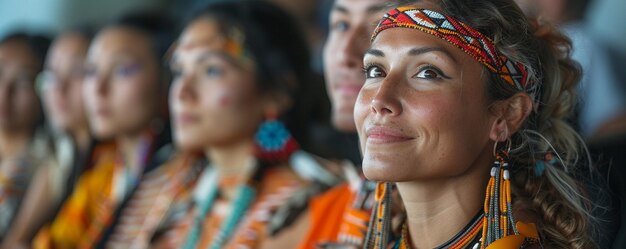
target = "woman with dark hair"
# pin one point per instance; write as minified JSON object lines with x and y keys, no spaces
{"x":240,"y":70}
{"x":23,"y":147}
{"x":60,"y":85}
{"x":464,"y":108}
{"x":124,"y":92}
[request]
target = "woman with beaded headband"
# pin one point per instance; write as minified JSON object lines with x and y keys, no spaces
{"x":240,"y":69}
{"x":463,"y":109}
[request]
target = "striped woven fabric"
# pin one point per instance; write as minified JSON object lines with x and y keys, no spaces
{"x":150,"y":203}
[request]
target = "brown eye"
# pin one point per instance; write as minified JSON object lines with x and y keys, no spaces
{"x":374,"y":72}
{"x":428,"y":74}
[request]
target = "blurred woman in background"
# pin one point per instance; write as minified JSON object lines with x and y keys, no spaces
{"x":23,"y":148}
{"x":239,"y":70}
{"x":124,"y":93}
{"x":60,"y":84}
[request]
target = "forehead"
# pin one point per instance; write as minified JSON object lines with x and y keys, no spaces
{"x":18,"y":52}
{"x":69,"y":45}
{"x":203,"y":32}
{"x":70,"y":42}
{"x":400,"y":42}
{"x":359,"y":7}
{"x":116,"y":40}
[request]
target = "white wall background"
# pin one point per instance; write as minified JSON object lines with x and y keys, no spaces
{"x":51,"y":16}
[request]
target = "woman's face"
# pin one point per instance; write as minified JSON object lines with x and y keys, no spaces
{"x":214,"y":98}
{"x":19,"y":105}
{"x":62,"y":81}
{"x":423,"y":111}
{"x":122,"y":87}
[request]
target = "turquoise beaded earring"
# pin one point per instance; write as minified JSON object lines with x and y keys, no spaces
{"x":274,"y":142}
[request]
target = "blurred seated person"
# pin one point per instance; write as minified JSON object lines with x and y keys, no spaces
{"x":23,"y":147}
{"x":60,"y":84}
{"x":124,"y":91}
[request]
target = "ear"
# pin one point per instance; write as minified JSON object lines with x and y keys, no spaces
{"x":511,"y":114}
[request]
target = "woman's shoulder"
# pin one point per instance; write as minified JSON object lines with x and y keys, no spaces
{"x":316,"y":169}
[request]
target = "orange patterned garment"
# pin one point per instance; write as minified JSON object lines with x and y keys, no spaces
{"x":87,"y":211}
{"x":276,"y":186}
{"x":334,"y":220}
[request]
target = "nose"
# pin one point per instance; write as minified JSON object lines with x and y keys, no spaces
{"x":101,"y":84}
{"x":182,"y":89}
{"x":352,"y":47}
{"x":386,"y":100}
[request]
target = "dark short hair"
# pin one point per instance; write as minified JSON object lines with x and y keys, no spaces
{"x":154,"y":25}
{"x":37,"y":43}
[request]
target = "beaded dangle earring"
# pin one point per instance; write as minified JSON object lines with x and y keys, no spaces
{"x":379,"y":231}
{"x":274,"y":142}
{"x":498,"y":220}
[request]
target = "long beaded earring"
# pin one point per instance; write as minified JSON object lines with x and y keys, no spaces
{"x":274,"y":142}
{"x":379,"y":231}
{"x":498,"y":220}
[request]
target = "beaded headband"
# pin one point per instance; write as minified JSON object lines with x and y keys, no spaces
{"x":462,"y":36}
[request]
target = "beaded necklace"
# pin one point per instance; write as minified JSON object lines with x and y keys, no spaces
{"x":467,"y":236}
{"x":209,"y":188}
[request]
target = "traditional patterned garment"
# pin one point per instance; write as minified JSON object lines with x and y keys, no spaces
{"x":15,"y":176}
{"x":469,"y":238}
{"x":87,"y":210}
{"x":148,"y":206}
{"x":275,"y":186}
{"x":14,"y":181}
{"x":88,"y":213}
{"x":340,"y":216}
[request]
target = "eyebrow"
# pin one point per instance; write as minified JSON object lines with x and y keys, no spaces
{"x":370,"y":9}
{"x":206,"y":55}
{"x":423,"y":50}
{"x":415,"y":52}
{"x":376,"y":8}
{"x":340,"y":8}
{"x":375,"y":52}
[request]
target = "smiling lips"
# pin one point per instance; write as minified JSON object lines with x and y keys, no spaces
{"x":384,"y":135}
{"x":348,"y":89}
{"x":186,"y":119}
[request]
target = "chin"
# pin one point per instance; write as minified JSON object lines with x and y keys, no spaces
{"x":378,"y":171}
{"x":344,"y":122}
{"x":187,"y":144}
{"x":389,"y":168}
{"x":103,"y":133}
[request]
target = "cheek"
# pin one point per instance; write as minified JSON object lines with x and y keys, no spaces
{"x":227,"y":112}
{"x":454,"y":131}
{"x":329,"y":48}
{"x":362,"y":108}
{"x":136,"y":96}
{"x":89,"y":95}
{"x":219,"y":99}
{"x":26,"y":107}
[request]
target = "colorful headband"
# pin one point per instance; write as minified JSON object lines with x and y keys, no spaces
{"x":461,"y":35}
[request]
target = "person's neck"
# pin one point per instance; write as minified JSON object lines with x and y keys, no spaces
{"x":130,"y":147}
{"x":14,"y":143}
{"x":232,"y":162}
{"x":437,"y":210}
{"x":81,"y":138}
